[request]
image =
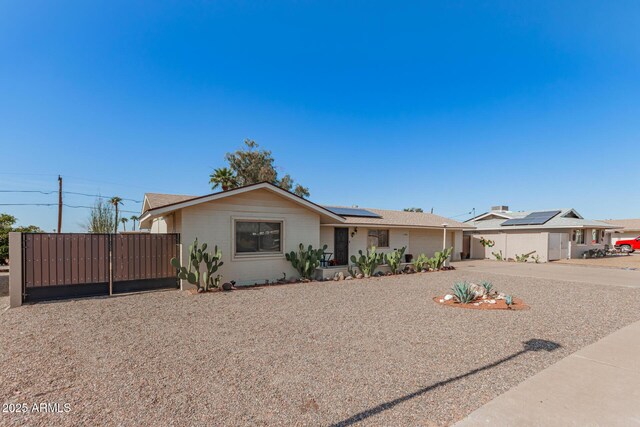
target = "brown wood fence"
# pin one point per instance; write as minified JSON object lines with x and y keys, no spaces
{"x":146,"y":256}
{"x":72,"y":264}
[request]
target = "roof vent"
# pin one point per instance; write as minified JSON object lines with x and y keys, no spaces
{"x":501,"y":208}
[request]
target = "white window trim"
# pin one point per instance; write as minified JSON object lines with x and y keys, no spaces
{"x":584,"y":238}
{"x":256,"y":255}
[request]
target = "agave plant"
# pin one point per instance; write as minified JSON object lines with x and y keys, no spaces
{"x":462,"y":292}
{"x":508,"y":299}
{"x":487,"y":287}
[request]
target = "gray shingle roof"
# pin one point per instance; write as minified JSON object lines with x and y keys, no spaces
{"x":627,"y":224}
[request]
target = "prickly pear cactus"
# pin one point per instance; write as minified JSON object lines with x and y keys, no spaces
{"x":305,"y":261}
{"x":369,"y":262}
{"x":197,"y":256}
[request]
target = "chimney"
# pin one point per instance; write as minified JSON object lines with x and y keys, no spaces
{"x":501,"y":208}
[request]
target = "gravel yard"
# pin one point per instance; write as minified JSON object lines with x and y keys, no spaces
{"x":618,"y":261}
{"x":373,"y":352}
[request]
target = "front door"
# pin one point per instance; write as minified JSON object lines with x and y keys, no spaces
{"x":341,"y":246}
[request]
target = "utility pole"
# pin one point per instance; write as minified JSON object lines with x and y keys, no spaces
{"x":59,"y":204}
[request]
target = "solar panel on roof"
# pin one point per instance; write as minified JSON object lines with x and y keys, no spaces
{"x":534,"y":218}
{"x":352,"y":212}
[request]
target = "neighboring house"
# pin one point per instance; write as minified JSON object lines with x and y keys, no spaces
{"x":553,"y":234}
{"x":630,"y":229}
{"x":255,"y":225}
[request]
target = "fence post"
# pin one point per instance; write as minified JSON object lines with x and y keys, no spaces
{"x":15,"y":269}
{"x":110,"y":264}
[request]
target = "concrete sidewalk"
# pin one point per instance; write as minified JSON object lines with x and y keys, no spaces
{"x":596,"y":386}
{"x":569,"y":273}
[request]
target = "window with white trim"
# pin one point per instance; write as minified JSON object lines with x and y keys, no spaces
{"x":258,"y":237}
{"x":378,"y":238}
{"x":578,"y":236}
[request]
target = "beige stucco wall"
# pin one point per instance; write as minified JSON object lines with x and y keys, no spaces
{"x":213,"y":223}
{"x":416,"y":241}
{"x":169,"y":223}
{"x":511,"y":244}
{"x":524,"y":241}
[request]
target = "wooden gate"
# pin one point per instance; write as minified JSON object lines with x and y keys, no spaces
{"x":75,"y":264}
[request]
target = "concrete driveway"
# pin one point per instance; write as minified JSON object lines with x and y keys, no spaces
{"x":564,"y":272}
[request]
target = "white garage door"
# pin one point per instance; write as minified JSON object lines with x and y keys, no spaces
{"x":558,"y":246}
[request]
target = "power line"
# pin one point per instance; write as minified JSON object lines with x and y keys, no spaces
{"x":64,"y":204}
{"x":97,"y":195}
{"x":27,"y":191}
{"x":66,"y":192}
{"x":462,"y":214}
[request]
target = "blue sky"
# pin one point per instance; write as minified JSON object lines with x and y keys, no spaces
{"x":444,"y":105}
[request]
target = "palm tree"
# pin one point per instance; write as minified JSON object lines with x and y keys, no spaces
{"x":115,"y":201}
{"x":124,"y":223}
{"x":133,"y":219}
{"x":224,"y":178}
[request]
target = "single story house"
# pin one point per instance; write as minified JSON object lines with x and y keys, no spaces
{"x":254,"y":226}
{"x":550,"y":235}
{"x":630,"y":229}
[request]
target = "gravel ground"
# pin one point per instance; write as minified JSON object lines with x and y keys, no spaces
{"x":618,"y":261}
{"x":372,"y":352}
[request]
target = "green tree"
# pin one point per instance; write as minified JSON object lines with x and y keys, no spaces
{"x":223,"y":177}
{"x":133,"y":219}
{"x":413,"y":210}
{"x":251,"y":165}
{"x":6,"y":226}
{"x":101,"y":218}
{"x":115,"y":201}
{"x":124,"y":223}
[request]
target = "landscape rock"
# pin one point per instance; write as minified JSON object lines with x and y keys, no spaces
{"x":348,"y":278}
{"x":448,"y":297}
{"x":227,"y":286}
{"x":478,"y":290}
{"x":359,"y":276}
{"x":341,"y":276}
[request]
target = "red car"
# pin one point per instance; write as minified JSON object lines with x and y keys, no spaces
{"x":629,"y":245}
